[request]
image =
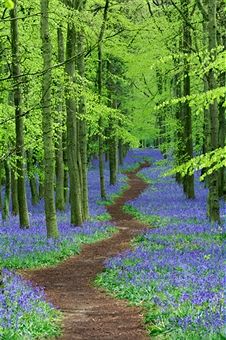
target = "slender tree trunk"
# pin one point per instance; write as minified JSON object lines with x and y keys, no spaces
{"x":49,"y":152}
{"x":14,"y":193}
{"x":188,"y":182}
{"x":100,"y":85}
{"x":5,"y":210}
{"x":120,"y":152}
{"x":113,"y":155}
{"x":19,"y":120}
{"x":101,"y":145}
{"x":66,"y":189}
{"x":32,"y":178}
{"x":213,"y":199}
{"x":41,"y":189}
{"x":83,"y":130}
{"x":60,"y":202}
{"x":222,"y":127}
{"x":112,"y":138}
{"x":101,"y":163}
{"x":206,"y":125}
{"x":161,"y":115}
{"x":206,"y":130}
{"x":72,"y":138}
{"x":180,"y":130}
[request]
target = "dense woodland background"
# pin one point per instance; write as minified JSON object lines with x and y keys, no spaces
{"x":89,"y":90}
{"x":89,"y":79}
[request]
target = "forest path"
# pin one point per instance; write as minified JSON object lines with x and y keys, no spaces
{"x":89,"y":313}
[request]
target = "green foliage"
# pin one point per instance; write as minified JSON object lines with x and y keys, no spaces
{"x":9,"y":4}
{"x":211,"y":161}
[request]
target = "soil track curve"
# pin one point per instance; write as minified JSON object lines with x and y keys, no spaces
{"x":89,"y":313}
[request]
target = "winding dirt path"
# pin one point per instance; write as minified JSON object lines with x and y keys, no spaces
{"x":90,"y":313}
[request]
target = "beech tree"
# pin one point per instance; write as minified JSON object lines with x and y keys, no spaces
{"x":49,"y":153}
{"x":19,"y":119}
{"x":110,"y":75}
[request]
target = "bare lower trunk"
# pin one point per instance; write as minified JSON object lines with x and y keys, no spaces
{"x":83,"y":131}
{"x":213,"y":198}
{"x":72,"y":147}
{"x":49,"y":152}
{"x":19,"y":120}
{"x":188,"y":181}
{"x":60,"y":203}
{"x":14,"y":193}
{"x":5,"y":210}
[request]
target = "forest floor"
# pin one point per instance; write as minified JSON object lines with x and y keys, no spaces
{"x":89,"y":313}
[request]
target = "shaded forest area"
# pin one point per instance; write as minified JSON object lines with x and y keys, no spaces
{"x":84,"y":78}
{"x":85,"y":81}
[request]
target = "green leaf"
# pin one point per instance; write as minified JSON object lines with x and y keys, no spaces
{"x":9,"y":4}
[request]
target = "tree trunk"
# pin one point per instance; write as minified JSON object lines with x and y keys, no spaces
{"x":72,"y":147}
{"x":5,"y":210}
{"x":49,"y":152}
{"x":120,"y":152}
{"x":19,"y":119}
{"x":100,"y":85}
{"x":188,"y":181}
{"x":113,"y":156}
{"x":101,"y":145}
{"x":213,"y":199}
{"x":222,"y":127}
{"x":161,"y":115}
{"x":83,"y":130}
{"x":206,"y":125}
{"x":60,"y":203}
{"x":32,"y":178}
{"x":66,"y":189}
{"x":14,"y":193}
{"x":179,"y":132}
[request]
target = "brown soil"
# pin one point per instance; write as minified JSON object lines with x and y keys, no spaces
{"x":89,"y":313}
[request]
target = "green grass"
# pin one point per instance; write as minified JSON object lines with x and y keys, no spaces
{"x":113,"y":198}
{"x":146,"y":179}
{"x":35,"y":326}
{"x":136,"y":165}
{"x":156,"y":221}
{"x":65,"y":250}
{"x":32,"y":325}
{"x":149,"y":220}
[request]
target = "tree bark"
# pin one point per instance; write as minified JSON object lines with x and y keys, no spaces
{"x":188,"y":181}
{"x":83,"y":130}
{"x":113,"y":148}
{"x":213,"y":198}
{"x":60,"y":202}
{"x":49,"y":152}
{"x":206,"y":125}
{"x":19,"y":120}
{"x":179,"y":133}
{"x":32,"y":178}
{"x":120,"y":152}
{"x":100,"y":85}
{"x":5,"y":210}
{"x":14,"y":193}
{"x":72,"y":137}
{"x":222,"y":126}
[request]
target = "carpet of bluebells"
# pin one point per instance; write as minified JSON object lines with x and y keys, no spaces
{"x":176,"y":269}
{"x":24,"y":314}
